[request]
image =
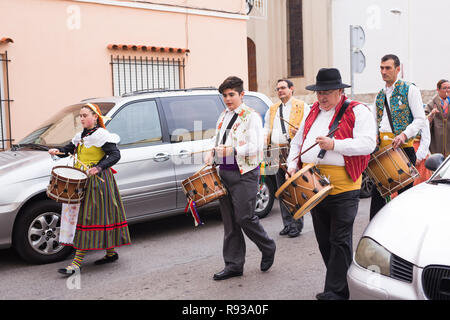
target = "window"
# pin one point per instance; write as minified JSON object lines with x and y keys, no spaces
{"x":295,"y":38}
{"x":192,"y":118}
{"x":5,"y":101}
{"x":137,"y":124}
{"x":257,"y":104}
{"x":132,"y":74}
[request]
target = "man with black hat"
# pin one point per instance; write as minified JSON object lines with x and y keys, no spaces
{"x":341,"y":157}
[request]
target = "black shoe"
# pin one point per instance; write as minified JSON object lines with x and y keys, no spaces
{"x":107,"y":259}
{"x":267,"y":261}
{"x":285,"y":231}
{"x":328,"y":296}
{"x":226,"y":274}
{"x":70,"y":270}
{"x":293,"y":232}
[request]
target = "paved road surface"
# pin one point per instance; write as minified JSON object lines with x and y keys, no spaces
{"x":171,"y":259}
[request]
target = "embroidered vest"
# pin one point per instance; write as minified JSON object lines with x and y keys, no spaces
{"x":295,"y":117}
{"x":354,"y":165}
{"x":399,"y":106}
{"x":238,"y":134}
{"x":89,"y":156}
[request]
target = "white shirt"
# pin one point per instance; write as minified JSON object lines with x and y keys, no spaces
{"x":254,"y":134}
{"x":277,"y":133}
{"x":425,"y":139}
{"x":362,"y":143}
{"x":416,"y":106}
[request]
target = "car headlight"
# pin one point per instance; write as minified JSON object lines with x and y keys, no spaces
{"x":373,"y":256}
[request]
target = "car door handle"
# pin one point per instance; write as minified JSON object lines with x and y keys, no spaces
{"x":184,"y":153}
{"x":159,"y":157}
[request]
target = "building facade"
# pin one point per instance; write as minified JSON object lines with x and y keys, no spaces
{"x":316,"y":34}
{"x":54,"y":53}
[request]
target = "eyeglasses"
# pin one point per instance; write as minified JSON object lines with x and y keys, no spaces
{"x":446,"y":88}
{"x":280,"y":88}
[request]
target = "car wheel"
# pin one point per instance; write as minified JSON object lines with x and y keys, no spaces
{"x":366,"y":186}
{"x":264,"y":198}
{"x":36,"y":233}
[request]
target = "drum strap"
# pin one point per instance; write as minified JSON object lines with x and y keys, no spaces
{"x":388,"y":111}
{"x":334,"y":126}
{"x":283,"y":128}
{"x":227,"y":130}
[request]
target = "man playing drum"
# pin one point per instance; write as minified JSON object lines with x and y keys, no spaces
{"x":399,"y":114}
{"x":276,"y":134}
{"x":239,"y":148}
{"x":342,"y":159}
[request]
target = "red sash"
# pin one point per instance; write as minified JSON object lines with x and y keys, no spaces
{"x":354,"y":165}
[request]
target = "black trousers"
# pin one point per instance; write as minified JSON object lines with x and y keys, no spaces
{"x":238,"y":216}
{"x":333,"y":225}
{"x":377,"y":202}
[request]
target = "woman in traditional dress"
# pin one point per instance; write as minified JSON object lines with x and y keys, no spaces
{"x":101,"y":221}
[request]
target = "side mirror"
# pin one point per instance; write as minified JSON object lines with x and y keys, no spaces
{"x":434,"y":161}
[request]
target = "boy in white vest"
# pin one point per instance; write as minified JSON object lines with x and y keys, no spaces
{"x":238,"y":152}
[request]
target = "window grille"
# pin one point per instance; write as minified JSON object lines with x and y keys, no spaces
{"x":131,"y":74}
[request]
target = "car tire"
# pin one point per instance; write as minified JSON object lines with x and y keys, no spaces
{"x":265,"y":198}
{"x":366,"y":186}
{"x":36,"y":233}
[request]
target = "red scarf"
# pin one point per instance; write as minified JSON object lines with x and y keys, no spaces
{"x":354,"y":165}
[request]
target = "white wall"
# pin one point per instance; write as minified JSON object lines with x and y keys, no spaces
{"x":416,"y":36}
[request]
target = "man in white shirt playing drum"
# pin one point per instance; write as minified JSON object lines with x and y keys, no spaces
{"x":279,"y":123}
{"x":400,"y":126}
{"x":342,"y":158}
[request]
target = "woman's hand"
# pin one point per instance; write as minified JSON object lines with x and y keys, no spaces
{"x":93,"y":171}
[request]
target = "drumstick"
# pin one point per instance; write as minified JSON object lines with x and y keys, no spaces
{"x":387,"y":138}
{"x":315,"y":144}
{"x":201,"y":151}
{"x":289,"y":123}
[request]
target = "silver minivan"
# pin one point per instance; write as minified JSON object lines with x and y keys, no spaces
{"x":161,"y":133}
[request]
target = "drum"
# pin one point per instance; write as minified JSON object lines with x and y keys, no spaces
{"x":391,"y":170}
{"x":303,"y":191}
{"x":275,"y":157}
{"x":204,"y":187}
{"x":67,"y":185}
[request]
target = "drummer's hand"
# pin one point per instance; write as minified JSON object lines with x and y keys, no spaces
{"x":209,"y":157}
{"x":290,"y":173}
{"x":93,"y":171}
{"x":325,"y":143}
{"x":293,"y":131}
{"x":53,"y":151}
{"x":224,"y":151}
{"x":399,"y":140}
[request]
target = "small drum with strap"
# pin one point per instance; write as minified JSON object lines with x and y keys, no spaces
{"x":67,"y":184}
{"x":391,"y":170}
{"x":303,"y":191}
{"x":275,"y":157}
{"x":203,"y":187}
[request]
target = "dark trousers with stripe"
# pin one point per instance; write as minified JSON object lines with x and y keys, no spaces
{"x":333,"y":225}
{"x":377,"y":202}
{"x":238,"y":216}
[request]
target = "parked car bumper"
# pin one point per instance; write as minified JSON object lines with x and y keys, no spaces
{"x":8,"y":214}
{"x":368,"y":285}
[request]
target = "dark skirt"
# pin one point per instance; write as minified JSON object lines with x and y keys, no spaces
{"x":102,"y":223}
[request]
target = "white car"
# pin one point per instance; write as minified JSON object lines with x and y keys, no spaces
{"x":404,"y":253}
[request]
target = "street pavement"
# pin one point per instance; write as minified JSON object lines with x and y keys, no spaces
{"x":170,"y":259}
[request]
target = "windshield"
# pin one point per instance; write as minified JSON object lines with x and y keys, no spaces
{"x":61,"y":128}
{"x":443,"y":172}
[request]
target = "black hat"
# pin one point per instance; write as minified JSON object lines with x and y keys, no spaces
{"x":328,"y":79}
